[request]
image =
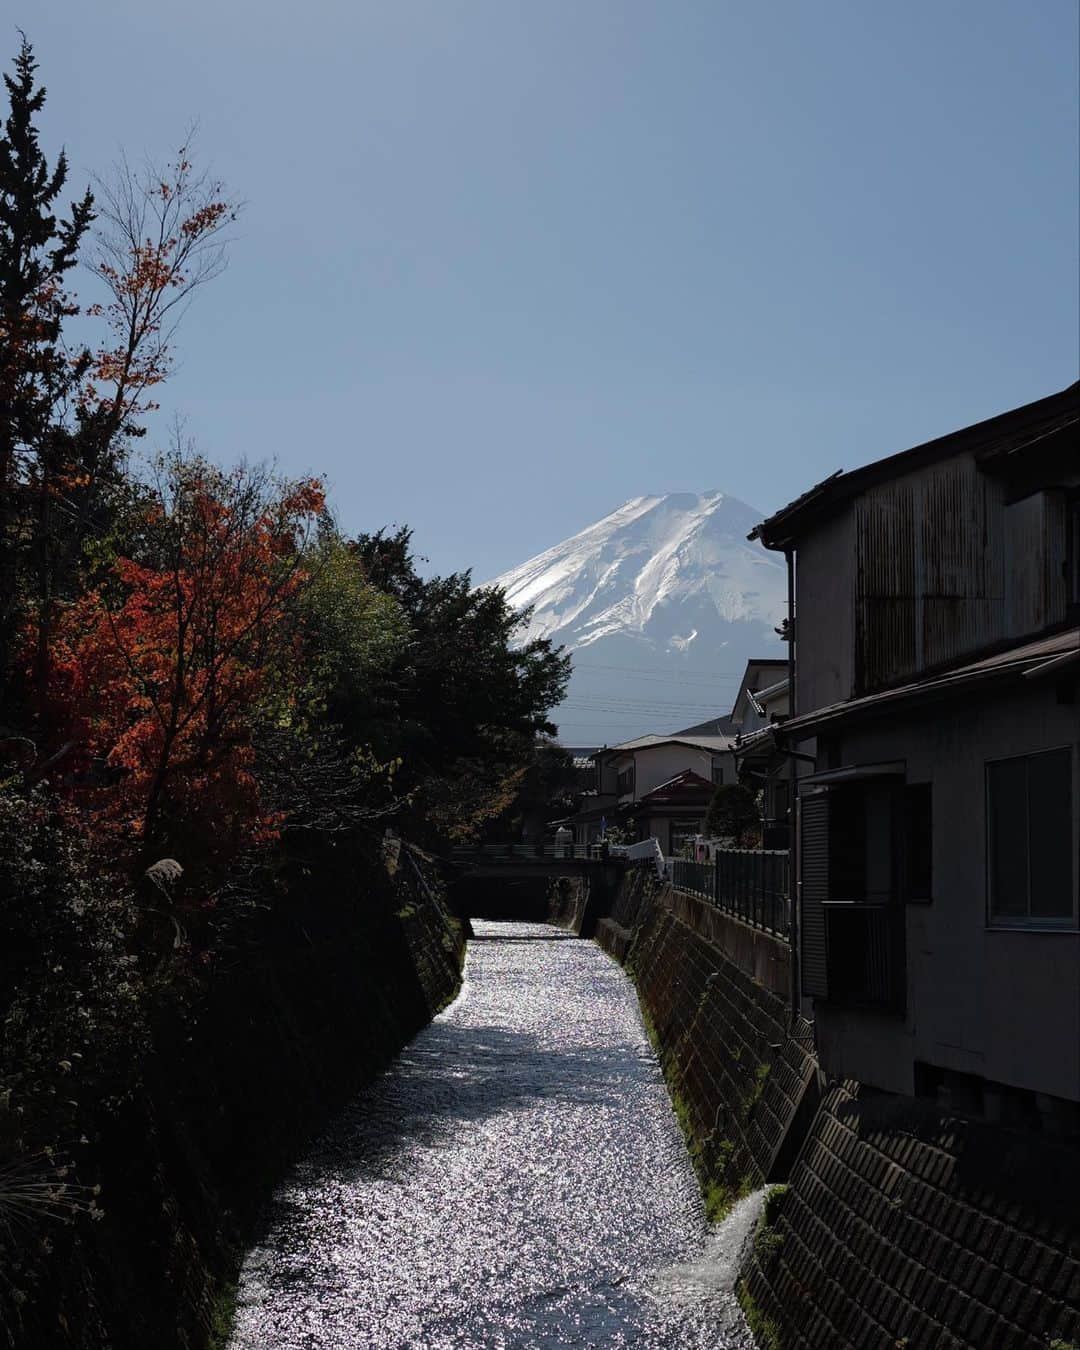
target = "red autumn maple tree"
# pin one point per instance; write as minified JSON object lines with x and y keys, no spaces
{"x":158,"y":672}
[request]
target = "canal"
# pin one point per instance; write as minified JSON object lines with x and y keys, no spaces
{"x":515,"y":1179}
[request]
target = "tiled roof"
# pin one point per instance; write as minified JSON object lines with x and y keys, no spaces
{"x":686,"y":783}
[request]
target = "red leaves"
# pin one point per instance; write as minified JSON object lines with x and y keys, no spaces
{"x":159,"y":680}
{"x":161,"y":241}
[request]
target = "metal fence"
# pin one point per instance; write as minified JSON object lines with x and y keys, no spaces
{"x":751,"y":884}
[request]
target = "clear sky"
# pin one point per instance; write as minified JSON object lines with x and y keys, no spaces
{"x":505,"y":264}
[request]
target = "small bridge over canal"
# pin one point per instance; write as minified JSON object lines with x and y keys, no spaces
{"x":531,"y":860}
{"x":508,"y":881}
{"x":517,"y":881}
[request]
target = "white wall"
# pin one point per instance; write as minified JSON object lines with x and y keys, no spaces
{"x":1000,"y":1003}
{"x":659,"y":764}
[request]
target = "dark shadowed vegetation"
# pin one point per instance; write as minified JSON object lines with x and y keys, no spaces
{"x":209,"y":695}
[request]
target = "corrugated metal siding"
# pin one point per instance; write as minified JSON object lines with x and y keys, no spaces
{"x":944,"y":567}
{"x":1036,"y":586}
{"x":885,"y":584}
{"x":961,"y":591}
{"x":1025,"y":571}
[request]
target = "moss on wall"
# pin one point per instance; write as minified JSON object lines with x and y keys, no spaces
{"x":735,"y":1073}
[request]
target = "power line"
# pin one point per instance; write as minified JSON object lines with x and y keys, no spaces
{"x":633,"y":702}
{"x":655,"y":670}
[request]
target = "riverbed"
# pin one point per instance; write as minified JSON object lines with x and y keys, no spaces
{"x":516,"y":1178}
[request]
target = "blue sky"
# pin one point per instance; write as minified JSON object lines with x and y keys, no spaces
{"x":504,"y":265}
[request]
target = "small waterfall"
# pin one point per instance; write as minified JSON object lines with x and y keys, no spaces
{"x":716,"y":1270}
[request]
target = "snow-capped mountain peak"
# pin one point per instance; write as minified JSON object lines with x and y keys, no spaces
{"x":661,"y":602}
{"x":634,"y":570}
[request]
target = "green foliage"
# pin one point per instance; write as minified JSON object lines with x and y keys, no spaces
{"x":773,"y":1200}
{"x":548,"y":788}
{"x":37,"y":250}
{"x":767,"y":1245}
{"x":222,"y":1317}
{"x":768,"y":1239}
{"x":765,"y":1331}
{"x":462,"y":706}
{"x":352,"y":634}
{"x":72,"y":1023}
{"x":69,"y":984}
{"x":733,"y":813}
{"x":761,"y":1074}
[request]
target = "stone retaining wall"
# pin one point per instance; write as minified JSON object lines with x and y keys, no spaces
{"x":740,"y":1080}
{"x":231,"y":1092}
{"x":902,"y":1227}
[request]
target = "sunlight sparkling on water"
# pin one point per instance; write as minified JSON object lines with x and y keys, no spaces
{"x":515,"y":1179}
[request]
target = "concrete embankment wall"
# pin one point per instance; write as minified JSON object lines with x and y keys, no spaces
{"x":905,"y":1227}
{"x":740,"y":1080}
{"x":342,"y":977}
{"x":900,"y":1228}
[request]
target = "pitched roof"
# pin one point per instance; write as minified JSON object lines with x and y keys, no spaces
{"x":715,"y":743}
{"x":720,"y":725}
{"x":1005,"y":435}
{"x":687,"y":783}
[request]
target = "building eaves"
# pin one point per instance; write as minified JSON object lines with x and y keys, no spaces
{"x":1026,"y":659}
{"x":1006,"y":433}
{"x":759,"y":743}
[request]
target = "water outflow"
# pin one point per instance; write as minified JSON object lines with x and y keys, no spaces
{"x":515,"y":1179}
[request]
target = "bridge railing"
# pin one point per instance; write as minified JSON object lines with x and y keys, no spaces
{"x":751,"y":884}
{"x":493,"y":853}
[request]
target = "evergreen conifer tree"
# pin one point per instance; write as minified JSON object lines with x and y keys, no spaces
{"x":36,"y":372}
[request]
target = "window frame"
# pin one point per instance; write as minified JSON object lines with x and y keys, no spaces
{"x":1029,"y":923}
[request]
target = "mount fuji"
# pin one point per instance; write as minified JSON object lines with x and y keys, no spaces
{"x":661,"y":603}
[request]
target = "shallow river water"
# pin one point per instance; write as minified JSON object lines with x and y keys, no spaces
{"x":515,"y":1179}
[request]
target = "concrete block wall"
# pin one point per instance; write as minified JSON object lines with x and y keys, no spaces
{"x":902,"y":1227}
{"x":738,"y":1076}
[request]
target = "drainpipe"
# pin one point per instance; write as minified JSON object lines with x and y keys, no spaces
{"x":793,"y":797}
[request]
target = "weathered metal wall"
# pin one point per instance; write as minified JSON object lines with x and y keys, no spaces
{"x":1036,"y":586}
{"x":824,"y":607}
{"x":945,"y":567}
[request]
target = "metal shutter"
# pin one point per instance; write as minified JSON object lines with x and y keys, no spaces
{"x":814,"y":891}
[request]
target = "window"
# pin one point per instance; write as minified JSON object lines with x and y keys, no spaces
{"x":682,"y":835}
{"x":1029,"y":845}
{"x":853,"y":927}
{"x":625,"y":784}
{"x":919,"y":821}
{"x":717,"y":771}
{"x":1072,"y":556}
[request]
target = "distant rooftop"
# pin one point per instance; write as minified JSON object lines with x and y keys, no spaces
{"x":702,"y":742}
